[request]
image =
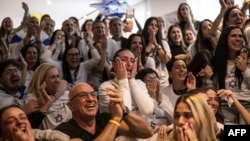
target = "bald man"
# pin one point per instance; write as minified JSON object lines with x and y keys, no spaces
{"x":88,"y":125}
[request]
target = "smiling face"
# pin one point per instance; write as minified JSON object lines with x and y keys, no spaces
{"x":205,"y":28}
{"x":235,"y":40}
{"x":189,"y":37}
{"x":213,"y":100}
{"x":31,"y":55}
{"x":7,"y":24}
{"x":235,"y":17}
{"x":14,"y":118}
{"x":73,"y":58}
{"x":52,"y":81}
{"x":175,"y":35}
{"x":83,"y":94}
{"x":11,"y":78}
{"x":179,"y":71}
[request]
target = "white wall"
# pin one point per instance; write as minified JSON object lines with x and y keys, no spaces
{"x":62,"y":9}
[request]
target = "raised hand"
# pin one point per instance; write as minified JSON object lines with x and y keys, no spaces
{"x":241,"y":62}
{"x":116,"y":102}
{"x":152,"y":34}
{"x":134,"y":69}
{"x":24,"y":63}
{"x":31,"y":106}
{"x":223,"y":4}
{"x":152,"y":88}
{"x":191,"y":81}
{"x":104,"y":42}
{"x":25,"y":6}
{"x":162,"y":132}
{"x":44,"y":96}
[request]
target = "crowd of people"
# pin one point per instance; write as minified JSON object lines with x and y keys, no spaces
{"x":105,"y":81}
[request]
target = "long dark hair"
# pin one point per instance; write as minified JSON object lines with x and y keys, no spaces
{"x":143,"y":52}
{"x":53,"y":37}
{"x":221,"y":57}
{"x":226,"y":16}
{"x":83,"y":28}
{"x":2,"y":31}
{"x":200,"y":61}
{"x":219,"y":114}
{"x":65,"y":66}
{"x":146,"y":35}
{"x":202,"y":42}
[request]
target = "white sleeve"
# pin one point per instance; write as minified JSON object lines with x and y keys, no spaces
{"x":125,"y":90}
{"x":91,"y":63}
{"x":15,"y":49}
{"x":83,"y":50}
{"x":150,"y":63}
{"x":140,"y":94}
{"x":166,"y":48}
{"x":104,"y":98}
{"x":165,"y":107}
{"x":46,"y":58}
{"x":51,"y":135}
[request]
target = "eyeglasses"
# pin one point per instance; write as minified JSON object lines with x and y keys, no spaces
{"x":84,"y":95}
{"x":73,"y":54}
{"x":11,"y":71}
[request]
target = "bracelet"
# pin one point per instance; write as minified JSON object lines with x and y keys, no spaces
{"x":114,"y":122}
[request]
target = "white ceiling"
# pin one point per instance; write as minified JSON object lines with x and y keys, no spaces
{"x":59,"y":9}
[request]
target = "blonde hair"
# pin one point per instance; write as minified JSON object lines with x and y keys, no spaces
{"x":38,"y":78}
{"x":201,"y":114}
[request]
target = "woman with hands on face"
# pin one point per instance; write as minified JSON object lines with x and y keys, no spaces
{"x":15,"y":126}
{"x":136,"y":44}
{"x":157,"y":48}
{"x":191,"y":119}
{"x":159,"y":119}
{"x":58,"y":44}
{"x":134,"y":91}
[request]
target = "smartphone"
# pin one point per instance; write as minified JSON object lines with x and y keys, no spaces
{"x":244,"y":50}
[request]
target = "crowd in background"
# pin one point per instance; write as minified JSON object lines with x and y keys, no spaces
{"x":102,"y":81}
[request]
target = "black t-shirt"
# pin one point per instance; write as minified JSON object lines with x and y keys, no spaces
{"x":72,"y":129}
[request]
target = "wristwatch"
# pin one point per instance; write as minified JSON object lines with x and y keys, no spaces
{"x":125,"y":111}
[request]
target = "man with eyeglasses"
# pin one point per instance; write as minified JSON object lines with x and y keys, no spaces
{"x":88,"y":125}
{"x":11,"y":87}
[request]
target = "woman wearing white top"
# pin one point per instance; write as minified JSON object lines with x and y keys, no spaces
{"x":70,"y":67}
{"x":157,"y":48}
